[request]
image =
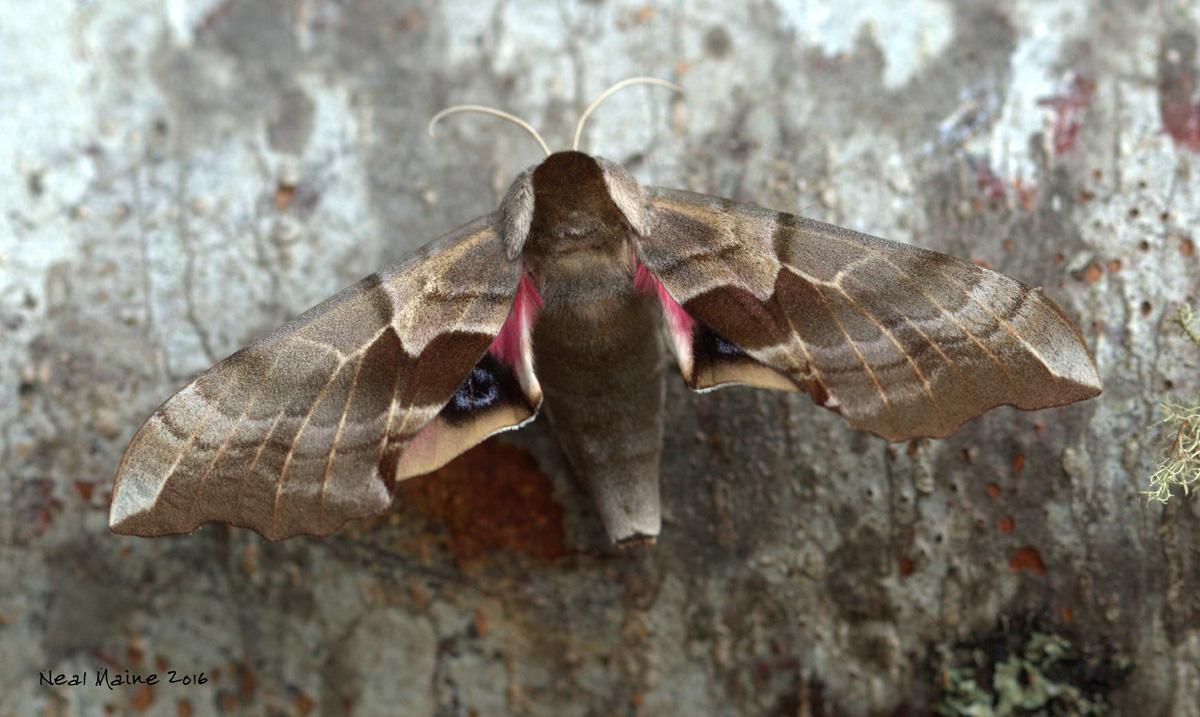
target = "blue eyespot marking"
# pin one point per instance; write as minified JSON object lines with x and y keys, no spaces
{"x":478,"y":391}
{"x":724,"y":347}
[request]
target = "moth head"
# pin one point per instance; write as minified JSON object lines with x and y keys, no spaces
{"x":570,"y":190}
{"x":576,"y":194}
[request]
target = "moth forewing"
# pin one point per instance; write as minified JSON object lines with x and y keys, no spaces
{"x":305,"y":428}
{"x":904,"y":342}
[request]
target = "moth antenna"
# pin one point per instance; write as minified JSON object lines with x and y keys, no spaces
{"x":607,"y":93}
{"x":489,"y":111}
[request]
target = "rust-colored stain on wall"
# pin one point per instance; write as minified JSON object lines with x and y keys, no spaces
{"x":1027,"y":558}
{"x":143,"y":698}
{"x":493,"y":497}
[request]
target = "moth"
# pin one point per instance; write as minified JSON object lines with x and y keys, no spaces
{"x":562,"y":300}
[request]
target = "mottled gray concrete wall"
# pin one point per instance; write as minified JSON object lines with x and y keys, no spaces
{"x":179,"y":176}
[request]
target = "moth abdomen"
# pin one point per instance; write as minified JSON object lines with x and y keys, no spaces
{"x":599,"y":359}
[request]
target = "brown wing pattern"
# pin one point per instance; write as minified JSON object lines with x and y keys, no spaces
{"x":902,"y":341}
{"x":303,"y":429}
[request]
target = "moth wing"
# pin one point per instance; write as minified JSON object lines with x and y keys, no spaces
{"x":902,"y":341}
{"x":312,"y":425}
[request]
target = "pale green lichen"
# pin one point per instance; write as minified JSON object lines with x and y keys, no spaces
{"x":1179,"y":462}
{"x":1041,"y":674}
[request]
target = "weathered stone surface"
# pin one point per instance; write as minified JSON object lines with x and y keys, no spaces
{"x":180,"y":177}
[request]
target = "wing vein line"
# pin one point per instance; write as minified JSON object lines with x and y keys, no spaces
{"x":933,"y":344}
{"x":808,"y":361}
{"x":949,"y":362}
{"x":1017,"y":335}
{"x":884,"y":329}
{"x":337,"y":436}
{"x":191,"y":438}
{"x":387,"y":425}
{"x":799,"y":358}
{"x":237,"y":509}
{"x":291,"y":451}
{"x":229,"y":437}
{"x":866,"y":365}
{"x":950,"y":317}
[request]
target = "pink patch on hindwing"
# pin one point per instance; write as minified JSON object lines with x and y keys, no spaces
{"x":679,"y":322}
{"x":513,"y":339}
